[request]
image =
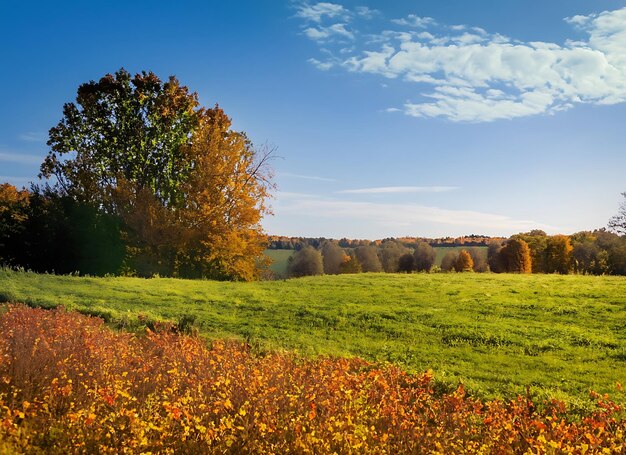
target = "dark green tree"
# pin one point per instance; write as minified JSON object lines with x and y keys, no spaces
{"x":123,"y":128}
{"x":406,"y":263}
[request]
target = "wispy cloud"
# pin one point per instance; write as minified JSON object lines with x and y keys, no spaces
{"x":20,"y":158}
{"x":287,"y":195}
{"x":366,"y":12}
{"x":324,"y":66}
{"x":306,"y":177}
{"x":400,"y":189}
{"x":413,"y":20}
{"x":33,"y":137}
{"x":319,"y":11}
{"x":327,"y":23}
{"x":324,"y":34}
{"x":402,"y":218}
{"x":466,"y":74}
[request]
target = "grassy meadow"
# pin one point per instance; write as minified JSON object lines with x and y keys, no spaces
{"x":497,"y":334}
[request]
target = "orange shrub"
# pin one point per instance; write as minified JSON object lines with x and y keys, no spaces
{"x":68,"y":384}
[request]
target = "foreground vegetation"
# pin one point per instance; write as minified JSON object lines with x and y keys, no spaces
{"x":560,"y":335}
{"x":70,"y":385}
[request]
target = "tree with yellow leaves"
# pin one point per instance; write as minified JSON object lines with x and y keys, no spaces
{"x":464,"y":262}
{"x":224,"y":201}
{"x":190,"y":192}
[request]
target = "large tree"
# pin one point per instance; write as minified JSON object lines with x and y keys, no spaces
{"x":189,"y":190}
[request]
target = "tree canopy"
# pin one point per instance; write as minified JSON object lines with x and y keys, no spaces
{"x":189,"y":191}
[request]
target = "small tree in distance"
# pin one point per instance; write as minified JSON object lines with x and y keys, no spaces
{"x":350,"y":264}
{"x":558,"y":254}
{"x":464,"y":262}
{"x":617,"y":223}
{"x":306,"y":262}
{"x":332,"y":257}
{"x":449,"y":260}
{"x":479,"y":259}
{"x":389,"y":253}
{"x":406,"y":263}
{"x":368,"y":257}
{"x":516,"y":256}
{"x":424,"y":257}
{"x":493,"y":256}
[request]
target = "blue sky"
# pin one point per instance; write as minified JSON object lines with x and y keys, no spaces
{"x":395,"y":118}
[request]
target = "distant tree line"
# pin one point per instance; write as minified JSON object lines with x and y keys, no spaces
{"x":595,"y":253}
{"x":295,"y":243}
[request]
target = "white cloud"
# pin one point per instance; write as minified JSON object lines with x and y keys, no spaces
{"x":319,"y":11}
{"x":324,"y":66}
{"x":365,"y":12}
{"x":33,"y":137}
{"x":322,"y":33}
{"x":468,"y":38}
{"x":20,"y":158}
{"x":401,"y":189}
{"x":578,"y":20}
{"x":475,"y":76}
{"x":413,"y":20}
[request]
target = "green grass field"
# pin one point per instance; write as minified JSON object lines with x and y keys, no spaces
{"x":560,"y":335}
